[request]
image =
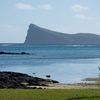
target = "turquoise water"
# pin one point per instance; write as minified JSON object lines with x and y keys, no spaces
{"x":65,"y":63}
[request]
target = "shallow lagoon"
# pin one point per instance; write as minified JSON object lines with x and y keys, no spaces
{"x":65,"y":63}
{"x":64,"y":71}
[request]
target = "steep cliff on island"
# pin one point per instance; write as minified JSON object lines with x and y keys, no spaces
{"x":39,"y":35}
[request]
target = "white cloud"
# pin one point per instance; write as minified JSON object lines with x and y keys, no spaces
{"x":79,"y":8}
{"x":79,"y":14}
{"x":24,"y":6}
{"x":45,"y":7}
{"x":84,"y":17}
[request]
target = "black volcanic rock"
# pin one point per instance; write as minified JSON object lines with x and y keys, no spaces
{"x":13,"y":53}
{"x":38,"y":35}
{"x":19,"y":80}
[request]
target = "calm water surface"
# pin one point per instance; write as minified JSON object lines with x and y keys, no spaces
{"x":65,"y":63}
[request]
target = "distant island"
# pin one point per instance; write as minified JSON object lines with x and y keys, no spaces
{"x":39,"y":35}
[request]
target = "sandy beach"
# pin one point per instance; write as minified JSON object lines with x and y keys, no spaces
{"x":68,"y":86}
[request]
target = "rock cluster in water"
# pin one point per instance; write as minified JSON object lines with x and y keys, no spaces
{"x":19,"y":80}
{"x":14,"y":53}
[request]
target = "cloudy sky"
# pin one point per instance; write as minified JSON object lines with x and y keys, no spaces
{"x":68,"y":16}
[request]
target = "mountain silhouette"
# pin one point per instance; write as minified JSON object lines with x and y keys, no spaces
{"x":39,"y":35}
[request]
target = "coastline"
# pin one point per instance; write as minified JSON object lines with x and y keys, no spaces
{"x":23,"y":81}
{"x":68,"y":86}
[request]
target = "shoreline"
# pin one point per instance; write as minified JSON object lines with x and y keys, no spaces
{"x":68,"y":86}
{"x":23,"y":81}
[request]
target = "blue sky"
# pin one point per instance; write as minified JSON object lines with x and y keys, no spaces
{"x":68,"y":16}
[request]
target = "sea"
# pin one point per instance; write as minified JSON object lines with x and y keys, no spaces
{"x":64,"y":63}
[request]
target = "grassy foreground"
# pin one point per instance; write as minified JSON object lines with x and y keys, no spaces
{"x":50,"y":94}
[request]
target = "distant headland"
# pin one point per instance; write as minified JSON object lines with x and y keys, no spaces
{"x":39,"y":35}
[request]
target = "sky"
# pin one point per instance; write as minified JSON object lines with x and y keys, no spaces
{"x":67,"y":16}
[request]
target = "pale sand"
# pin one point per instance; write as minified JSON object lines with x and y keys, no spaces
{"x":67,"y":86}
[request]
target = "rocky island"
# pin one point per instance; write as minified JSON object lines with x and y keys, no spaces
{"x":38,"y":35}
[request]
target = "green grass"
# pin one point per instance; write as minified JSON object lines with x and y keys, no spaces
{"x":93,"y":79}
{"x":50,"y":94}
